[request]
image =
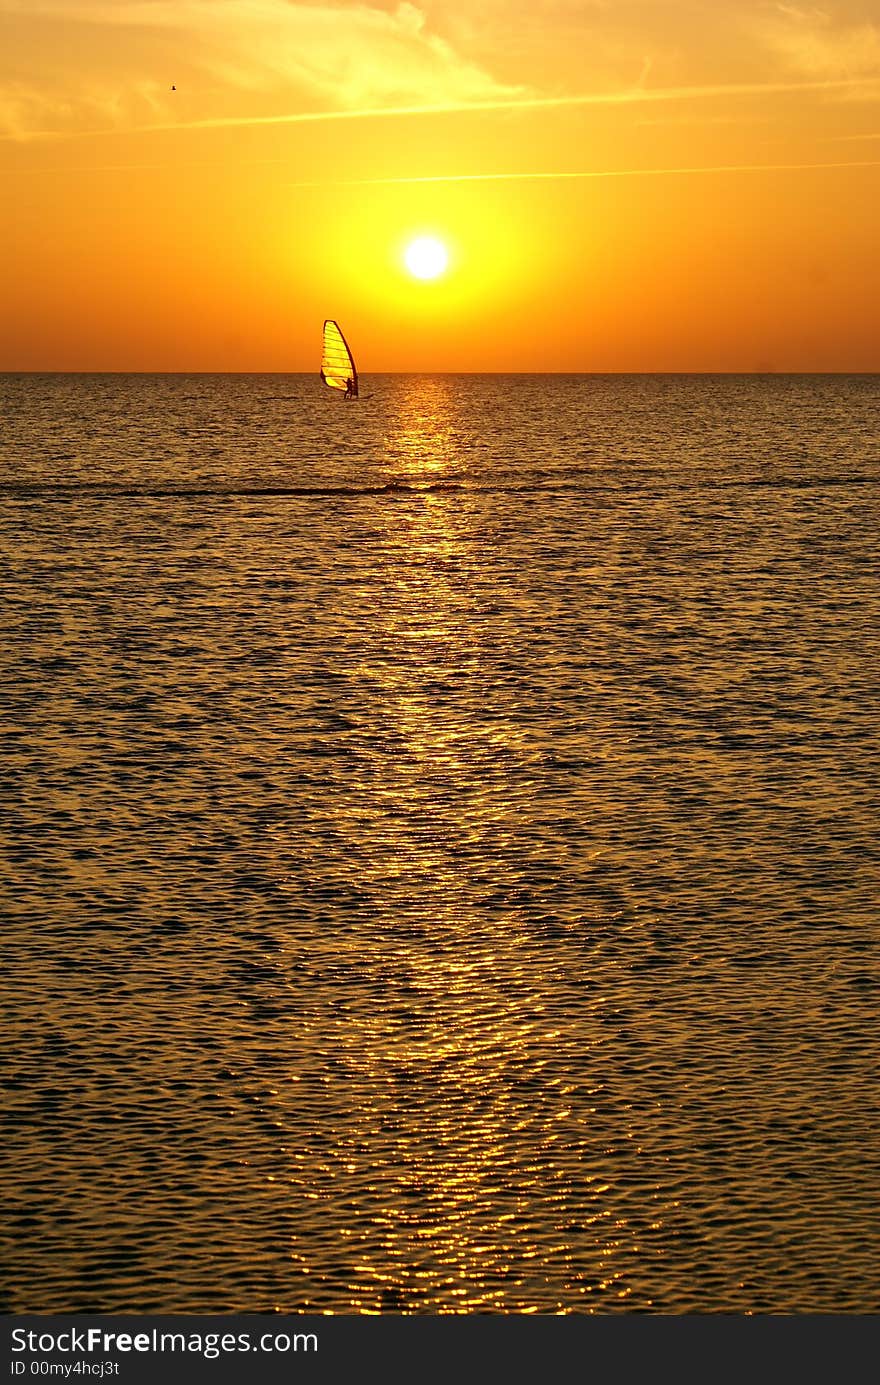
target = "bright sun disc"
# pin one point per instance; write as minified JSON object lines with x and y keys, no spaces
{"x":426,"y":257}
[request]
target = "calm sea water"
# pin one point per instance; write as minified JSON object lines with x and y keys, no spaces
{"x":442,"y":858}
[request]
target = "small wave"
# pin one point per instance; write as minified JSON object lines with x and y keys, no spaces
{"x":546,"y":485}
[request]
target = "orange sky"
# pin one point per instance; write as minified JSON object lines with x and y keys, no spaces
{"x":621,"y":184}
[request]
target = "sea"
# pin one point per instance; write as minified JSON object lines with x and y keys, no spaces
{"x":441,"y":852}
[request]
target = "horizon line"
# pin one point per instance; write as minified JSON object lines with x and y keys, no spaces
{"x":403,"y":374}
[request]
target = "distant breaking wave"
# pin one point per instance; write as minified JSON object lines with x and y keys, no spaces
{"x":546,"y":485}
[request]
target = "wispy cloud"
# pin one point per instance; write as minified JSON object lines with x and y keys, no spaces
{"x":818,"y":43}
{"x":343,"y":56}
{"x":92,"y":66}
{"x":560,"y":175}
{"x":577,"y":174}
{"x":627,"y":97}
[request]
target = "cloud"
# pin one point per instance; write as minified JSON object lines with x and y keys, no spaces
{"x":818,"y":44}
{"x":530,"y":177}
{"x":84,"y":66}
{"x":99,"y":59}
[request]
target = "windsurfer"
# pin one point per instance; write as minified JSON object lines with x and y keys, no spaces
{"x":349,"y":389}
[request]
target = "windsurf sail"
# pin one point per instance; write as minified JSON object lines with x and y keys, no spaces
{"x":337,"y":363}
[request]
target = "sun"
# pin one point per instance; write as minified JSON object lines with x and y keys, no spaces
{"x":426,"y":257}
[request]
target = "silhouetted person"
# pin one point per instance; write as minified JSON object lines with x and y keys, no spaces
{"x":349,"y":389}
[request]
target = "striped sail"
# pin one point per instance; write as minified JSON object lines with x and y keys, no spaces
{"x":337,"y":364}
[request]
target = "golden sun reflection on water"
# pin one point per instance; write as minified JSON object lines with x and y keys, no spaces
{"x":467,"y":1127}
{"x":423,"y":434}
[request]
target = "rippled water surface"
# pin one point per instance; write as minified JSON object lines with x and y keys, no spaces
{"x":441,"y":872}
